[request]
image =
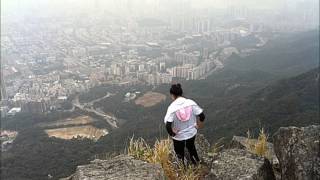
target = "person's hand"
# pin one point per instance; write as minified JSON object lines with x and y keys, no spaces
{"x":175,"y":130}
{"x":199,"y":124}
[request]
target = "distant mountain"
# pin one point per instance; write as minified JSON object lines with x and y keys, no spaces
{"x":287,"y":55}
{"x":292,"y":101}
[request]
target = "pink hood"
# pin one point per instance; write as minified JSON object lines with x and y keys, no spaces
{"x":184,"y":114}
{"x":182,"y":107}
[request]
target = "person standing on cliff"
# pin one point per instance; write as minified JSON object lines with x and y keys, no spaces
{"x":183,"y":118}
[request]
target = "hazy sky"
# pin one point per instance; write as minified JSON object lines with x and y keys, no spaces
{"x":122,"y":6}
{"x":26,"y":4}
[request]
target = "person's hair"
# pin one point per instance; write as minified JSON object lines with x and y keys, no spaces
{"x":176,"y":90}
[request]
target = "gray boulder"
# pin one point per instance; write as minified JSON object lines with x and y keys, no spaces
{"x":121,"y":167}
{"x":298,"y":152}
{"x":202,"y":146}
{"x":232,"y":164}
{"x":241,"y":142}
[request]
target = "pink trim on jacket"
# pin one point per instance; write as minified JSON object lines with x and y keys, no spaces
{"x":184,"y":114}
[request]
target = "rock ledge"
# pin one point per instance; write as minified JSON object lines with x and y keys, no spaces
{"x":121,"y":167}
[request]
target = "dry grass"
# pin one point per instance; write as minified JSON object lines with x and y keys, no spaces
{"x":216,"y":148}
{"x":188,"y":172}
{"x":139,"y":149}
{"x":161,"y":154}
{"x":260,"y":146}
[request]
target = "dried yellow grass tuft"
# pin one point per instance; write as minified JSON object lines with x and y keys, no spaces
{"x":160,"y":154}
{"x":259,"y":147}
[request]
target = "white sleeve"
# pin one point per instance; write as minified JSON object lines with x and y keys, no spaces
{"x":196,"y":110}
{"x":169,"y":117}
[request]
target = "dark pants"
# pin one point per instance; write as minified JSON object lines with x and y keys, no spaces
{"x":189,"y":144}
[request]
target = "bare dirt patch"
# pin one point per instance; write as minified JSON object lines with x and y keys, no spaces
{"x":87,"y":131}
{"x":150,"y":99}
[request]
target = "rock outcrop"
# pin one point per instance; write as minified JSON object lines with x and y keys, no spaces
{"x":298,"y":151}
{"x":121,"y":167}
{"x":297,"y":157}
{"x":233,"y":164}
{"x":242,"y":143}
{"x":202,"y":146}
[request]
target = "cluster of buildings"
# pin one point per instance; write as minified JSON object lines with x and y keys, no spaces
{"x":46,"y":62}
{"x":7,"y":138}
{"x":46,"y":73}
{"x":192,"y":72}
{"x":162,"y":70}
{"x":48,"y":70}
{"x":43,"y":93}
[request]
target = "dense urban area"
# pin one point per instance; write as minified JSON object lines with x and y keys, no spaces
{"x":81,"y":68}
{"x":46,"y":61}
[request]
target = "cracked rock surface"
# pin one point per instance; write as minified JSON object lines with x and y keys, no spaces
{"x":233,"y":164}
{"x":121,"y":167}
{"x":298,"y":151}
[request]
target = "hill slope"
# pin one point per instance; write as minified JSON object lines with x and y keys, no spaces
{"x":287,"y":55}
{"x":292,"y":101}
{"x":233,"y":104}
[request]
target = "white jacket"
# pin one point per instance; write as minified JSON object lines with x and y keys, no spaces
{"x":182,"y":112}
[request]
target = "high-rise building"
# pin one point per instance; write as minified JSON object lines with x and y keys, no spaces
{"x":162,"y":66}
{"x":187,"y":58}
{"x":205,"y":53}
{"x":182,"y":71}
{"x":3,"y":85}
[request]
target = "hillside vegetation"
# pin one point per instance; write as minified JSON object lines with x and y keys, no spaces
{"x":285,"y":56}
